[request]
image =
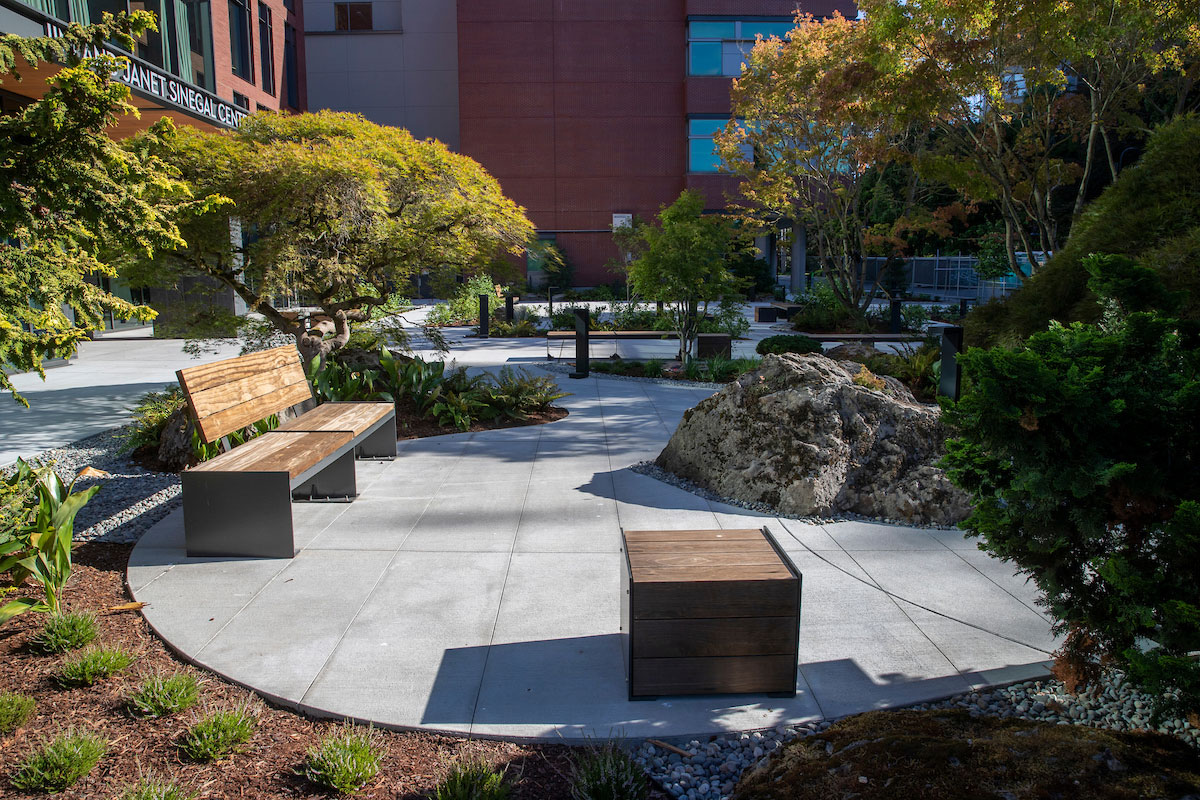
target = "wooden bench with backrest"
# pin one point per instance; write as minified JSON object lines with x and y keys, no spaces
{"x":239,"y":503}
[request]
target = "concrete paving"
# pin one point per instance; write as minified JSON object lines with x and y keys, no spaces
{"x":474,"y":588}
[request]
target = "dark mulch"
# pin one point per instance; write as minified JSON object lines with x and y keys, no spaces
{"x":413,"y":766}
{"x":411,"y":425}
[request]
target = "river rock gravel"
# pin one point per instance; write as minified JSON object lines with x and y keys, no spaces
{"x":131,"y":499}
{"x":712,"y":767}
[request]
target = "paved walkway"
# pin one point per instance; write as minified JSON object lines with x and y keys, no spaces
{"x":473,"y":587}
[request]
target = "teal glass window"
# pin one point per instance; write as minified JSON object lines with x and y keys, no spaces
{"x":702,"y":154}
{"x":704,"y":58}
{"x":719,"y":47}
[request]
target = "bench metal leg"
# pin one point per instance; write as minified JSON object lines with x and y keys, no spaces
{"x":245,"y":514}
{"x":379,"y":443}
{"x":335,"y":482}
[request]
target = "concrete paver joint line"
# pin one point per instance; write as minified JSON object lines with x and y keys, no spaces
{"x":894,"y":596}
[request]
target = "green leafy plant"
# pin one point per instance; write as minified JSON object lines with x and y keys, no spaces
{"x":653,"y":367}
{"x":822,"y":311}
{"x":346,"y":760}
{"x":913,"y":317}
{"x":92,"y":665}
{"x":15,"y":711}
{"x":517,"y":392}
{"x":521,"y":327}
{"x":63,"y":632}
{"x":150,"y":416}
{"x":160,"y":696}
{"x":787,"y":343}
{"x":1078,"y":449}
{"x":606,"y":772}
{"x":457,"y":409}
{"x":60,"y":762}
{"x":207,"y":450}
{"x":463,"y":308}
{"x":472,"y":779}
{"x":150,"y":788}
{"x":218,"y":734}
{"x":41,"y":548}
{"x":730,"y":318}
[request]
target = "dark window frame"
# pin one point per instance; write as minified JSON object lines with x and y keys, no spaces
{"x":241,"y":59}
{"x":266,"y":48}
{"x":351,"y":17}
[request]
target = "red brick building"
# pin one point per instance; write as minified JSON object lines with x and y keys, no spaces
{"x":585,"y":110}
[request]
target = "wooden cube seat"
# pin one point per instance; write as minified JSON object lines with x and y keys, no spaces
{"x":709,"y":612}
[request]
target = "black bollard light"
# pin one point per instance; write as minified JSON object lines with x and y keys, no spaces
{"x":659,"y":308}
{"x":484,"y":314}
{"x":952,"y":345}
{"x":583,"y":366}
{"x":963,"y":306}
{"x":550,"y":301}
{"x":508,"y":308}
{"x":896,"y":316}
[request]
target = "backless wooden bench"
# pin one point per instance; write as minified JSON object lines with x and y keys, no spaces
{"x":709,"y":612}
{"x":239,"y":503}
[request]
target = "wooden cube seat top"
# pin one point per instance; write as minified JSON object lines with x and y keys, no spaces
{"x":708,"y":612}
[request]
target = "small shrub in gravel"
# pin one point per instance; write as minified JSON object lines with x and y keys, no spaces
{"x":63,"y":632}
{"x":218,"y":734}
{"x":153,"y":789}
{"x":606,"y":772}
{"x":473,"y":779}
{"x":92,"y":665}
{"x":60,"y":762}
{"x":15,"y":709}
{"x":160,"y":696}
{"x":345,"y":761}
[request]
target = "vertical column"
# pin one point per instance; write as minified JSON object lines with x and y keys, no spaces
{"x":952,"y":345}
{"x":896,"y":318}
{"x":484,"y":316}
{"x":583,"y":366}
{"x":799,"y":282}
{"x":508,"y":308}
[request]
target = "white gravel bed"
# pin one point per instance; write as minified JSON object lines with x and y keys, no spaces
{"x":713,"y":768}
{"x":130,"y":500}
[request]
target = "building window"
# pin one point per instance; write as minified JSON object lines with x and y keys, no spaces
{"x":702,"y":150}
{"x":200,"y":47}
{"x":352,"y":17}
{"x":241,"y":44}
{"x":241,"y":101}
{"x":718,"y":47}
{"x":291,"y":80}
{"x":290,"y":5}
{"x":266,"y":49}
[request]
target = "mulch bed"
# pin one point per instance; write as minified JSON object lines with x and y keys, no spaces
{"x":413,"y":766}
{"x":411,"y":425}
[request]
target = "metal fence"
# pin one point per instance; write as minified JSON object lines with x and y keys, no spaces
{"x":945,"y":278}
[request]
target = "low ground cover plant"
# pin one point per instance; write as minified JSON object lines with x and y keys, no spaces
{"x":149,"y":788}
{"x":63,"y":632}
{"x":60,"y":762}
{"x":160,"y":696}
{"x":92,"y":665}
{"x":472,"y":779}
{"x":710,"y":370}
{"x":606,"y":772}
{"x":218,"y":734}
{"x":15,"y":710}
{"x":787,"y":343}
{"x":150,"y":415}
{"x":346,"y":760}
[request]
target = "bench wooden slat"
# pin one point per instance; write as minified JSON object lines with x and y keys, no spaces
{"x":226,"y":396}
{"x":354,"y":417}
{"x":294,"y":453}
{"x":237,"y":417}
{"x":206,"y":376}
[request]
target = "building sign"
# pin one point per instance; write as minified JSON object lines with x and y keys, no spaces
{"x":150,"y":80}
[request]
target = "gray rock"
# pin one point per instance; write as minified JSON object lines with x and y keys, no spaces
{"x":845,"y":447}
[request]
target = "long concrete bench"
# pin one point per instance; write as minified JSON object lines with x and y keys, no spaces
{"x":239,"y":503}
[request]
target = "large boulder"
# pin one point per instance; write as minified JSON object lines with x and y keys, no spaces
{"x":811,"y":436}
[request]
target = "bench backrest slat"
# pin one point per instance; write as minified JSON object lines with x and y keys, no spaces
{"x":228,"y":395}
